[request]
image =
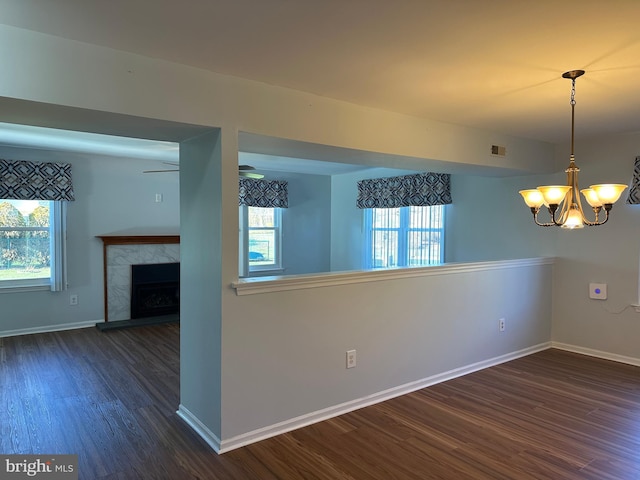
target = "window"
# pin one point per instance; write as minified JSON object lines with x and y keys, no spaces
{"x":31,"y":243}
{"x":404,"y":237}
{"x":261,"y":241}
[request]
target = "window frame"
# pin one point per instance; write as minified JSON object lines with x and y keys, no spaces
{"x":403,"y":232}
{"x":56,"y":281}
{"x":245,"y":267}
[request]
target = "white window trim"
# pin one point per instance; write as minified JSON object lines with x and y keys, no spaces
{"x":244,"y":268}
{"x":57,"y":249}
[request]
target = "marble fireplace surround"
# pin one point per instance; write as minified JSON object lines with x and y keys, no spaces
{"x":119,"y":252}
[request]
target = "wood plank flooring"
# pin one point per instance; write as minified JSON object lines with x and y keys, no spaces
{"x":111,"y":398}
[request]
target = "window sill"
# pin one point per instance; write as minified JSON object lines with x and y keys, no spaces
{"x":252,"y":286}
{"x":267,"y":272}
{"x":24,"y":288}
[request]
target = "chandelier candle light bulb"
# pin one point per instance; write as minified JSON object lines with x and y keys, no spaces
{"x":566,"y":198}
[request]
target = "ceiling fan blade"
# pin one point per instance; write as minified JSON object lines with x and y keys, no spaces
{"x":250,"y":175}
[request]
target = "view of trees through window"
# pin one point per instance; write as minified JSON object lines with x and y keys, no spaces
{"x":24,"y":239}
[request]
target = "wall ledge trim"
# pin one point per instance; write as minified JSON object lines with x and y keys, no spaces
{"x":596,"y":353}
{"x":340,"y":409}
{"x":252,"y":286}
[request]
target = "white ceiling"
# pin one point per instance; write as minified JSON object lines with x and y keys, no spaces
{"x":493,"y":64}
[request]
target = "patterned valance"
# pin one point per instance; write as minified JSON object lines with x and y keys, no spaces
{"x":24,"y":180}
{"x":634,"y":188}
{"x":263,"y":193}
{"x":420,"y":189}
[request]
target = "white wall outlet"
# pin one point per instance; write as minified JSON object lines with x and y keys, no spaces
{"x":351,"y":358}
{"x":501,"y":324}
{"x":598,"y":291}
{"x":73,"y":299}
{"x":158,"y":197}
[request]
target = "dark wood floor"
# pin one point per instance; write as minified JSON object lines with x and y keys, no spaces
{"x":111,"y":398}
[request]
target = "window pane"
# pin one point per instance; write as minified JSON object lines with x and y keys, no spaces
{"x":424,"y":248}
{"x":386,"y":218}
{"x":24,"y":240}
{"x":423,"y":237}
{"x":406,"y":236}
{"x":385,"y":249}
{"x":261,"y":217}
{"x":262,"y":247}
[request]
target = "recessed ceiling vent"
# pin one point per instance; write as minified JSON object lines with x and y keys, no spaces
{"x":499,"y":150}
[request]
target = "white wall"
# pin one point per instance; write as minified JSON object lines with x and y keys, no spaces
{"x":607,"y":254}
{"x":489,"y":221}
{"x":112,"y":194}
{"x":288,"y":348}
{"x":250,"y":361}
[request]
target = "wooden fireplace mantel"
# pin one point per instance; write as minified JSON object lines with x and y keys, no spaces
{"x":129,"y":239}
{"x":137,"y":239}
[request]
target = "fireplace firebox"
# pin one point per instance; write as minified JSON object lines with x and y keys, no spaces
{"x":155,"y":290}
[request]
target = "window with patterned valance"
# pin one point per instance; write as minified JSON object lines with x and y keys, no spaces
{"x":263,"y":193}
{"x":25,"y":180}
{"x":33,"y":197}
{"x":420,"y":189}
{"x":634,"y":188}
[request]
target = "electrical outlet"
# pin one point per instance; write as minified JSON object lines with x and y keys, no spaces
{"x":73,"y":299}
{"x":501,"y":324}
{"x":351,"y":358}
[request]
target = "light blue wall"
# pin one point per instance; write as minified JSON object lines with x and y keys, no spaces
{"x":489,"y":221}
{"x":306,"y":224}
{"x":346,"y":223}
{"x":201,"y":255}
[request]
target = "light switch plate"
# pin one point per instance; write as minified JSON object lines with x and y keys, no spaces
{"x":598,"y":291}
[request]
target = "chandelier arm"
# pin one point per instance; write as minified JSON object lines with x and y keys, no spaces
{"x":607,"y":209}
{"x":597,"y":210}
{"x":535,"y":211}
{"x":597,"y":221}
{"x":552,"y":212}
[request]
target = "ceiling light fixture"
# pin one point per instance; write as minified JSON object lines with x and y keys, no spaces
{"x":571,"y":214}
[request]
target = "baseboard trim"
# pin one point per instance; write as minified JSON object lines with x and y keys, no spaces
{"x":48,"y":328}
{"x":199,"y":427}
{"x":596,"y":353}
{"x":334,"y":411}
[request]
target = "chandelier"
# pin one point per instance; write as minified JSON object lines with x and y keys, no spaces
{"x":563,"y":201}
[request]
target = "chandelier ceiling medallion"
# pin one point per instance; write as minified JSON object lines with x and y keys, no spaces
{"x":563,"y":201}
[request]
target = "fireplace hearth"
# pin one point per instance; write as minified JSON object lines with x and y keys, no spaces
{"x":155,"y":290}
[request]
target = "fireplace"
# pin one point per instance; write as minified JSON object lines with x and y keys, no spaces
{"x":155,"y":289}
